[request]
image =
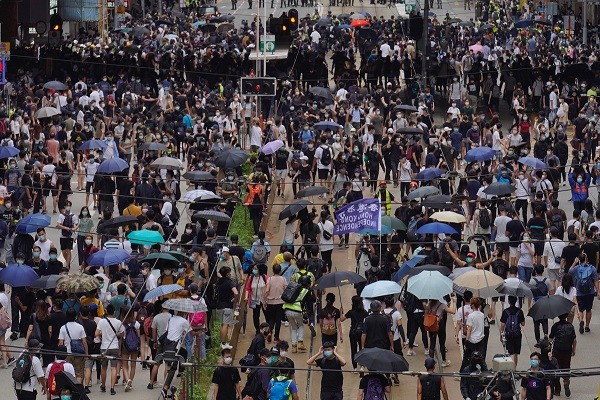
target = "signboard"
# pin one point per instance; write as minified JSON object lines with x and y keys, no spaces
{"x":3,"y":71}
{"x":267,"y":43}
{"x":111,"y":4}
{"x":408,"y":8}
{"x":5,"y":50}
{"x":358,"y":215}
{"x":569,"y":24}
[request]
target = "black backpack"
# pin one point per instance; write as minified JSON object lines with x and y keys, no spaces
{"x":326,"y":156}
{"x":21,"y":373}
{"x":540,"y":289}
{"x":316,"y":266}
{"x":563,"y":338}
{"x":484,"y":218}
{"x":175,"y":214}
{"x":557,"y":222}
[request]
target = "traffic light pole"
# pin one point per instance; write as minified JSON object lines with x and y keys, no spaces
{"x":258,"y":69}
{"x":425,"y":38}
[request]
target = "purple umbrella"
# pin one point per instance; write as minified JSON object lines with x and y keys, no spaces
{"x":272,"y":147}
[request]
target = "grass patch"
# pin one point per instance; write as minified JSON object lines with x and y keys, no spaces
{"x":204,"y":374}
{"x":241,"y":225}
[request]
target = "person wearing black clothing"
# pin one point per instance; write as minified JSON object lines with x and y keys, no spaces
{"x":570,"y":252}
{"x":564,"y":345}
{"x":514,"y":230}
{"x":532,"y":386}
{"x":36,"y":263}
{"x":471,"y":388}
{"x":226,"y":378}
{"x":537,"y":226}
{"x":259,"y":340}
{"x":226,"y":298}
{"x":124,"y":193}
{"x":430,"y":386}
{"x":513,"y":340}
{"x":332,"y":379}
{"x":357,"y":315}
{"x":377,"y":331}
{"x":86,"y":319}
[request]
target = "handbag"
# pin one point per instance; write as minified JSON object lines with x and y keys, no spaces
{"x":556,"y":258}
{"x":36,"y":333}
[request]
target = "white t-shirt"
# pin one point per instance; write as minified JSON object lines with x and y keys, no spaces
{"x":396,"y":317}
{"x":569,"y":296}
{"x":500,"y":224}
{"x":576,"y":224}
{"x":315,"y":36}
{"x":67,"y":367}
{"x":553,"y":248}
{"x":319,"y":155}
{"x":90,"y":171}
{"x":459,"y":317}
{"x":178,"y":327}
{"x":326,"y":244}
{"x":166,"y":211}
{"x":36,"y":372}
{"x":74,"y":221}
{"x":44,"y":248}
{"x":476,"y":321}
{"x":76,"y":331}
{"x":108,"y":334}
{"x":151,"y":282}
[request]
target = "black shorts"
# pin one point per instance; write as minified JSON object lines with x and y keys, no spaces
{"x":66,"y":243}
{"x":89,"y":186}
{"x":513,"y":345}
{"x":502,"y":246}
{"x":585,"y":302}
{"x":323,"y":173}
{"x":538,"y":245}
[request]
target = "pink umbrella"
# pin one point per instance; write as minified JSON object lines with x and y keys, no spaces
{"x":476,"y":48}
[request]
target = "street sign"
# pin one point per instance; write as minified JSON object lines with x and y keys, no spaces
{"x":408,"y":8}
{"x":267,"y":43}
{"x":5,"y":50}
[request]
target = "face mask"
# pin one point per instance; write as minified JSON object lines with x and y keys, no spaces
{"x":579,"y":180}
{"x":525,"y":237}
{"x":53,"y":257}
{"x":101,"y":286}
{"x":255,"y":272}
{"x":167,"y":272}
{"x":221,"y":257}
{"x":310,"y":146}
{"x":144,"y":210}
{"x":42,"y":238}
{"x":20,"y":261}
{"x":469,"y":260}
{"x":283,"y":353}
{"x":8,"y":205}
{"x":227,"y":360}
{"x":165,"y":140}
{"x":327,"y":353}
{"x":65,"y":397}
{"x":67,"y":209}
{"x":521,"y":176}
{"x":180,"y":270}
{"x":373,"y":269}
{"x":109,"y":138}
{"x":13,"y":166}
{"x":192,"y":258}
{"x":356,"y":149}
{"x":36,"y":253}
{"x":188,"y":231}
{"x":88,"y":241}
{"x":534,"y":363}
{"x":85,"y":213}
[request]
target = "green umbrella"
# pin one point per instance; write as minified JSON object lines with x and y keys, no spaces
{"x":393,"y":222}
{"x":146,"y":237}
{"x":161,"y":260}
{"x":178,"y":255}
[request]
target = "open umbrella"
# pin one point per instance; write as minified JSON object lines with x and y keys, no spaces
{"x":112,"y":165}
{"x":77,"y":283}
{"x":162,"y":260}
{"x":323,"y":22}
{"x":344,"y":16}
{"x":383,"y":360}
{"x":140,"y":31}
{"x":459,"y":271}
{"x":515,"y":288}
{"x":380,"y":289}
{"x":324,"y":125}
{"x":482,"y":153}
{"x":524,"y":23}
{"x":177,"y":254}
{"x":197,"y":176}
{"x":272,"y":147}
{"x":410,"y":131}
{"x":407,"y":266}
{"x":171,"y":36}
{"x":533,"y":162}
{"x":338,"y":278}
{"x":199,"y":194}
{"x":321,"y":92}
{"x":8,"y":152}
{"x":311,"y":191}
{"x":93,"y":144}
{"x":358,"y":15}
{"x":449,"y":216}
{"x":467,"y":24}
{"x":499,"y":189}
{"x":435,"y":228}
{"x":358,"y":23}
{"x":167,"y":163}
{"x":454,"y":21}
{"x":46,"y":282}
{"x":231,"y":158}
{"x":56,"y":85}
{"x":439,"y":201}
{"x":385,"y":230}
{"x":146,"y":237}
{"x":479,"y":280}
{"x":476,"y":48}
{"x":430,"y":173}
{"x":47,"y":112}
{"x":393,"y":223}
{"x":106,"y":257}
{"x":185,"y":305}
{"x":294,"y":209}
{"x":208,"y":28}
{"x":549,"y":307}
{"x":161,"y":291}
{"x":422,"y":192}
{"x":213,"y":215}
{"x":119,"y":221}
{"x":430,"y":285}
{"x":32,"y":222}
{"x":429,"y":268}
{"x":18,"y":275}
{"x":153,"y":147}
{"x":406,"y":107}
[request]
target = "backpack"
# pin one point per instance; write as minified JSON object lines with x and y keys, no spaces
{"x":390,"y":319}
{"x":291,"y":292}
{"x":315,"y":266}
{"x":76,"y":344}
{"x":132,"y":339}
{"x":540,"y":290}
{"x":280,"y":389}
{"x":585,"y":283}
{"x":512,"y":329}
{"x":328,"y":325}
{"x":282,"y":155}
{"x":484,"y":218}
{"x":411,"y":233}
{"x":148,"y":326}
{"x":197,"y":319}
{"x":430,"y":322}
{"x":557,"y":222}
{"x":22,"y":370}
{"x":326,"y":156}
{"x":5,"y":320}
{"x":68,"y":222}
{"x":571,"y":228}
{"x":260,"y":254}
{"x":375,"y":390}
{"x":175,"y":214}
{"x":563,"y":338}
{"x":177,"y":192}
{"x":57,"y":366}
{"x":253,"y":387}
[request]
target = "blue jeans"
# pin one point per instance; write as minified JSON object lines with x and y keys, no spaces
{"x":524,"y":273}
{"x":189,"y":343}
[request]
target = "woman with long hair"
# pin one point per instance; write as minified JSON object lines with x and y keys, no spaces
{"x":255,"y":288}
{"x":568,"y":291}
{"x":6,"y":320}
{"x":86,"y":224}
{"x":357,"y":314}
{"x":129,"y":355}
{"x":40,"y":328}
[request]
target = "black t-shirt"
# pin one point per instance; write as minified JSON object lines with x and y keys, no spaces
{"x":356,"y":319}
{"x":281,"y":158}
{"x":331,"y":381}
{"x":537,"y":226}
{"x":514,"y":228}
{"x":124,"y":187}
{"x":536,"y":388}
{"x":364,"y":381}
{"x":376,"y":327}
{"x":569,"y":254}
{"x":57,"y":320}
{"x":591,"y":249}
{"x":512,"y":311}
{"x":224,"y":293}
{"x":226,"y":378}
{"x":500,"y":268}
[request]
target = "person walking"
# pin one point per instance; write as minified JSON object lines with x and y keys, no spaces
{"x":293,"y":312}
{"x":110,"y":330}
{"x":511,"y":322}
{"x":72,"y":335}
{"x":273,"y":304}
{"x":60,"y":365}
{"x":29,"y":369}
{"x":435,"y":311}
{"x":586,"y":283}
{"x":430,"y":386}
{"x":331,"y":325}
{"x":357,"y":315}
{"x":332,"y":379}
{"x":564,"y":345}
{"x":227,"y":295}
{"x":377,"y":331}
{"x":569,"y":292}
{"x":226,"y":378}
{"x":534,"y":387}
{"x":542,"y":287}
{"x":475,"y":332}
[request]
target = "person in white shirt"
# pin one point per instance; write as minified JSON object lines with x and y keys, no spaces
{"x":95,"y":96}
{"x":522,"y":185}
{"x":255,"y":135}
{"x":475,"y":333}
{"x":385,"y":50}
{"x":454,"y":111}
{"x":397,"y":329}
{"x":315,"y":37}
{"x":151,"y":281}
{"x":552,"y":253}
{"x":177,"y":328}
{"x":27,"y":390}
{"x":70,"y":332}
{"x":66,"y":367}
{"x":326,"y":243}
{"x":461,"y":316}
{"x":110,"y":329}
{"x":318,"y":162}
{"x":44,"y":244}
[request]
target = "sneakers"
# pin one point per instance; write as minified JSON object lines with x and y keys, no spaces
{"x":150,"y":386}
{"x":11,"y":361}
{"x":112,"y":391}
{"x":426,"y":352}
{"x":581,"y":327}
{"x":14,"y":336}
{"x":587,"y":329}
{"x":226,"y":346}
{"x":129,"y":385}
{"x":294,"y":348}
{"x":567,"y":391}
{"x":395,"y":380}
{"x":103,"y":388}
{"x":313,"y":332}
{"x":446,"y":363}
{"x":301,"y":346}
{"x":286,"y":323}
{"x":411,"y":353}
{"x":354,"y":371}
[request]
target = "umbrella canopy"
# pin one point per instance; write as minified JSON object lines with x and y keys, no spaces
{"x":185,"y":305}
{"x":476,"y":48}
{"x":429,"y":268}
{"x":168,"y":163}
{"x":344,"y":16}
{"x":199,"y":194}
{"x":18,"y":275}
{"x":359,"y":23}
{"x":499,"y":189}
{"x":113,"y":165}
{"x":407,"y":266}
{"x":380,"y":288}
{"x":294,"y":209}
{"x":430,"y":285}
{"x":430,"y":173}
{"x":449,"y":216}
{"x":198,"y":176}
{"x":479,"y":280}
{"x":77,"y":283}
{"x":119,"y":221}
{"x":466,"y":24}
{"x":231,"y":158}
{"x":454,"y":21}
{"x":177,"y":254}
{"x":406,"y":107}
{"x":485,"y":27}
{"x":47,"y":112}
{"x":8,"y":152}
{"x":106,"y":257}
{"x":524,"y":23}
{"x":31,"y":223}
{"x":515,"y":288}
{"x":171,"y":36}
{"x":321,"y":92}
{"x":93,"y":144}
{"x":162,"y":260}
{"x":533,"y":162}
{"x":153,"y":147}
{"x":440,"y":201}
{"x":459,"y":271}
{"x":383,"y":360}
{"x":385,"y":230}
{"x":549,"y":307}
{"x":213,"y":215}
{"x":480,"y":154}
{"x":339,"y":278}
{"x":146,"y":237}
{"x":343,"y":26}
{"x":161,"y":291}
{"x":140,"y":31}
{"x":434,"y":228}
{"x":46,"y":282}
{"x":56,"y":85}
{"x":422,"y":192}
{"x":393,"y":222}
{"x":66,"y":380}
{"x":323,"y":21}
{"x":324,"y":125}
{"x":311,"y":191}
{"x":272,"y":147}
{"x":207,"y":28}
{"x":410,"y":131}
{"x":358,"y":15}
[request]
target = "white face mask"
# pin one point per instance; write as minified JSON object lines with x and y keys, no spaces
{"x":188,"y":231}
{"x":227,"y":360}
{"x":88,"y":241}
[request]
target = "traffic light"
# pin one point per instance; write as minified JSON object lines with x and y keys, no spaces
{"x":258,"y":86}
{"x":293,"y":19}
{"x":56,"y":23}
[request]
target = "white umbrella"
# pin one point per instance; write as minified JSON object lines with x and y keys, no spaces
{"x":430,"y":285}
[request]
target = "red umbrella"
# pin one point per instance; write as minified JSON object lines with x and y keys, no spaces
{"x":359,"y":23}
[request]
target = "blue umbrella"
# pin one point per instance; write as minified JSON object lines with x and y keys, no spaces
{"x":161,"y":291}
{"x":379,"y":289}
{"x":524,"y":23}
{"x":112,"y":165}
{"x":8,"y":152}
{"x":324,"y":125}
{"x":407,"y":266}
{"x":146,"y":237}
{"x":429,"y":285}
{"x":32,"y":222}
{"x":93,"y":144}
{"x":107,"y":257}
{"x":435,"y":228}
{"x":385,"y":230}
{"x":430,"y":173}
{"x":343,"y":26}
{"x":533,"y":162}
{"x":18,"y":275}
{"x":480,"y":154}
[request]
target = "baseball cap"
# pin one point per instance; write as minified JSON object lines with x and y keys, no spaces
{"x":471,"y":254}
{"x":390,"y":130}
{"x":34,"y":344}
{"x":429,"y":363}
{"x":225,"y":248}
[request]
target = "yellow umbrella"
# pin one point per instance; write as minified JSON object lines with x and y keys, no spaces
{"x":448,"y":216}
{"x":479,"y":279}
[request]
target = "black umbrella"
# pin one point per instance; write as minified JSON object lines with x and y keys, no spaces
{"x":46,"y":282}
{"x":381,"y":360}
{"x":163,"y":22}
{"x":405,"y":107}
{"x":153,"y":147}
{"x":119,"y":221}
{"x":231,"y":158}
{"x":213,"y":215}
{"x":517,"y":289}
{"x":439,"y":201}
{"x":56,"y":85}
{"x":549,"y":307}
{"x":321,"y":92}
{"x":140,"y":31}
{"x":198,"y":176}
{"x":311,"y":191}
{"x":499,"y":189}
{"x":293,"y":209}
{"x":339,"y":278}
{"x":410,"y":131}
{"x":65,"y":380}
{"x":207,"y":28}
{"x":199,"y":205}
{"x":454,"y":21}
{"x":429,"y":267}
